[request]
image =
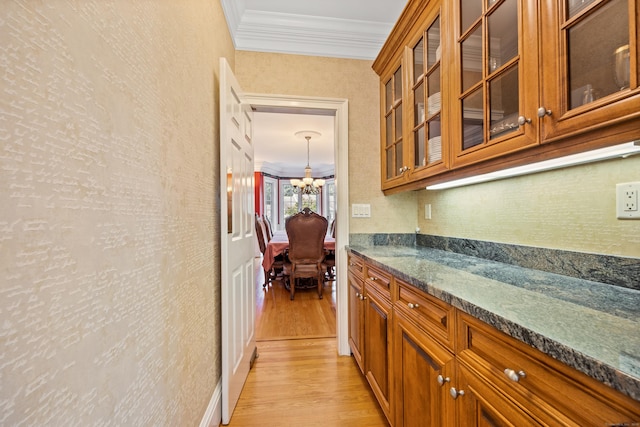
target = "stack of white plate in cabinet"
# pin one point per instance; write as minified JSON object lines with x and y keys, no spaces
{"x":434,"y":149}
{"x":433,"y":104}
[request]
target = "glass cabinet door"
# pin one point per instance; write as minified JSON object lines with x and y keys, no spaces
{"x":591,"y":72}
{"x":394,"y":165}
{"x":497,"y":78}
{"x":600,"y":66}
{"x":427,"y":96}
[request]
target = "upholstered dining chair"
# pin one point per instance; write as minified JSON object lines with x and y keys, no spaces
{"x":267,"y":225}
{"x":278,"y":263}
{"x":306,"y":231}
{"x":330,"y":256}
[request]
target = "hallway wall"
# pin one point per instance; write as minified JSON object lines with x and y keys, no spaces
{"x":109,"y":292}
{"x":354,"y":80}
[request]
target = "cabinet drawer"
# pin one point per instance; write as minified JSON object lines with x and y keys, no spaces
{"x":356,"y":266}
{"x":435,"y":316}
{"x":378,"y":279}
{"x":552,"y":391}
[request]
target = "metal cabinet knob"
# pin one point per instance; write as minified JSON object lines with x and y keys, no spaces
{"x":522,"y":120}
{"x":543,"y":112}
{"x":513,"y":375}
{"x":442,"y":380}
{"x":412,"y":305}
{"x":455,"y":393}
{"x":373,"y":279}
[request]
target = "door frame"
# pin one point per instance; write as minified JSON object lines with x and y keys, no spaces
{"x":341,"y":154}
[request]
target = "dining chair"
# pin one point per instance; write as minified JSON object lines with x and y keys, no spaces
{"x":267,"y":225}
{"x":278,"y":263}
{"x":306,"y":231}
{"x":330,"y":256}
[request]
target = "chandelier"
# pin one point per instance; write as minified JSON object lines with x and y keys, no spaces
{"x":307,"y":185}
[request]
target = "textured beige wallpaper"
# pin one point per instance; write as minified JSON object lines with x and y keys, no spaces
{"x":570,"y":209}
{"x":109,"y":292}
{"x":270,"y":73}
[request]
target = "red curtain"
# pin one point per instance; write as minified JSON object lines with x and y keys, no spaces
{"x":259,"y":191}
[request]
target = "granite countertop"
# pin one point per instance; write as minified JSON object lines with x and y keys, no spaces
{"x":590,"y":326}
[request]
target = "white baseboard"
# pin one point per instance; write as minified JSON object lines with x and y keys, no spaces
{"x":213,"y":415}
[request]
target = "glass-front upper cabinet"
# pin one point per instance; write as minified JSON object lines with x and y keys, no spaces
{"x":496,"y":79}
{"x":393,"y":165}
{"x":429,"y":151}
{"x":590,"y":66}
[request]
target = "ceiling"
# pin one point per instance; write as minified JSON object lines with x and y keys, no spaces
{"x":339,"y":28}
{"x":354,"y":29}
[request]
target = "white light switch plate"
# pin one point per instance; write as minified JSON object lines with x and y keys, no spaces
{"x":359,"y":210}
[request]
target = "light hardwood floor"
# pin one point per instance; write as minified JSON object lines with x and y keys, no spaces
{"x":298,"y":378}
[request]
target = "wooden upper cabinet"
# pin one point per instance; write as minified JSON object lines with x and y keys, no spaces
{"x":475,"y":86}
{"x":411,"y":89}
{"x":494,"y":79}
{"x":590,"y":69}
{"x":393,"y":163}
{"x":428,"y":152}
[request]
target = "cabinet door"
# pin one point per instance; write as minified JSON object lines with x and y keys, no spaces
{"x":495,"y":84}
{"x":356,"y":318}
{"x":590,"y":68}
{"x":422,"y":372}
{"x":481,"y":405}
{"x":377,"y":337}
{"x":393,"y":162}
{"x":427,"y":142}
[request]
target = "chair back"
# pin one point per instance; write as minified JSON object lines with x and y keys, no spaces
{"x":261,"y":234}
{"x":267,"y":226}
{"x":306,"y":231}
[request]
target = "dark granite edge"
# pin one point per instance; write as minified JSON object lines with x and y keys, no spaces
{"x":591,"y":367}
{"x":609,"y":269}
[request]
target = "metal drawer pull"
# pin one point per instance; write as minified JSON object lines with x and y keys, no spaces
{"x":442,"y":380}
{"x":373,"y":279}
{"x":412,"y":305}
{"x":513,"y":375}
{"x":455,"y":393}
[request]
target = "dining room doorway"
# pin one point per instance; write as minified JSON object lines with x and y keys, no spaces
{"x":339,"y":109}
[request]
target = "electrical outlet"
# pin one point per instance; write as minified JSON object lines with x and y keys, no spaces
{"x":427,"y":211}
{"x":627,"y":200}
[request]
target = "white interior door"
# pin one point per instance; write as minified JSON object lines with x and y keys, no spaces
{"x":237,"y":239}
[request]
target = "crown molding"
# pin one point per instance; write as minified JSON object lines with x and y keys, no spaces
{"x":305,"y":35}
{"x":233,"y":11}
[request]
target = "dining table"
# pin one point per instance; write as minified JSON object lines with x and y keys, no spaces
{"x":279,"y":243}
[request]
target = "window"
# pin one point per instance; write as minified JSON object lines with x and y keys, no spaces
{"x":293,"y":203}
{"x":270,"y":210}
{"x":329,"y":199}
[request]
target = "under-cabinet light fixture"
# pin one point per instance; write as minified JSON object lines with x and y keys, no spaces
{"x":620,"y":150}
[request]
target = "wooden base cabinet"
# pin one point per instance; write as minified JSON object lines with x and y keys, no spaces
{"x":479,"y":404}
{"x":356,"y":309}
{"x":430,"y":364}
{"x":377,"y":343}
{"x":515,"y":379}
{"x":422,"y":373}
{"x":370,"y":327}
